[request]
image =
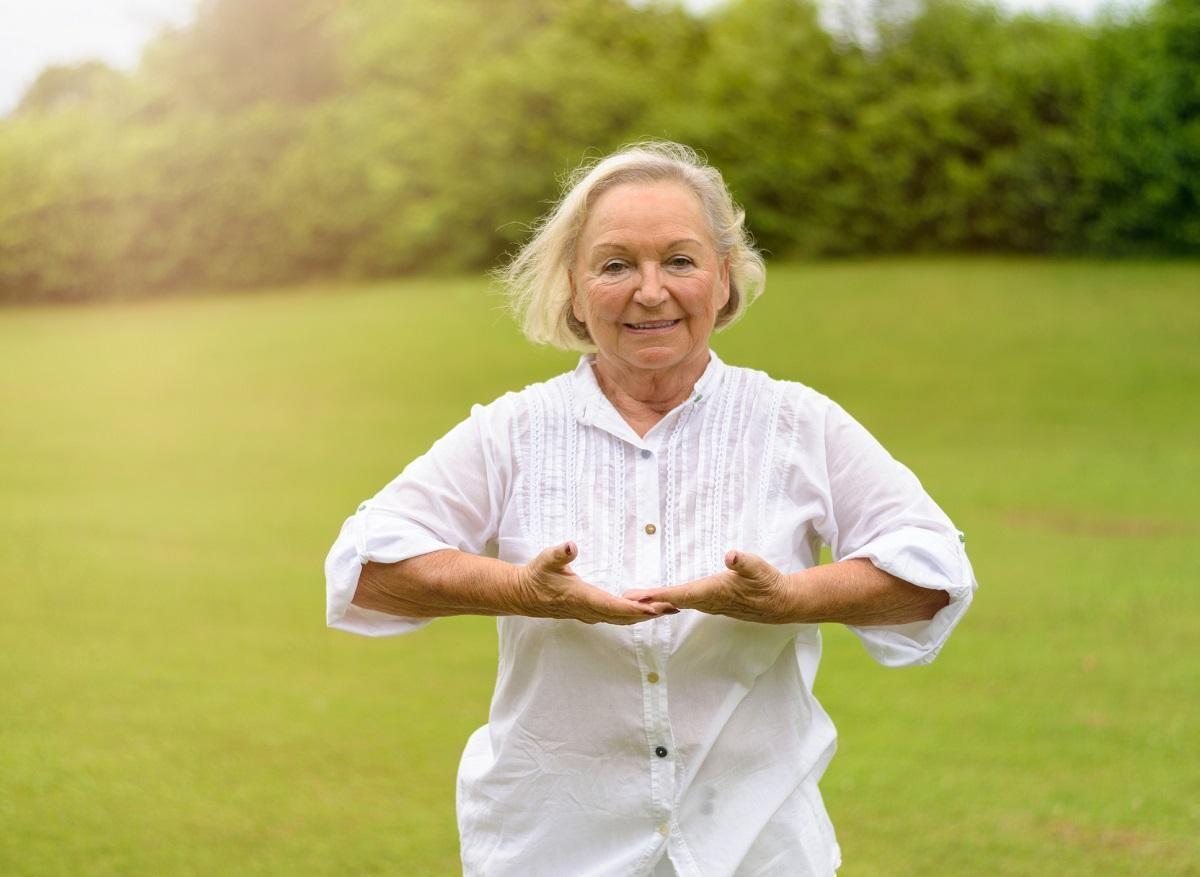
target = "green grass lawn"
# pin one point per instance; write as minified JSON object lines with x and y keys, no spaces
{"x":172,"y":474}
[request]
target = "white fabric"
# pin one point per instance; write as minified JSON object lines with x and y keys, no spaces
{"x":564,"y":778}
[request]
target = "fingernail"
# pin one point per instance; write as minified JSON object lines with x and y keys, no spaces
{"x":569,"y":548}
{"x":671,"y":611}
{"x":734,"y":559}
{"x":645,"y":599}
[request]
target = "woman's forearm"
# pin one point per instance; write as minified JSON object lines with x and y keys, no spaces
{"x":454,"y":583}
{"x":438,"y":584}
{"x":859,"y":593}
{"x":445,"y":583}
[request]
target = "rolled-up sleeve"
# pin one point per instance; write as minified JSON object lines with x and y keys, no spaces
{"x":448,"y":498}
{"x":880,"y":511}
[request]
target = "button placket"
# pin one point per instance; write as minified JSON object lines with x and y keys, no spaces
{"x":646,"y":507}
{"x":649,"y":572}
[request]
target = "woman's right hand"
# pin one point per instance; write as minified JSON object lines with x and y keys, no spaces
{"x":548,"y":588}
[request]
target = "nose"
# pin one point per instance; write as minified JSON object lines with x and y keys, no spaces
{"x":650,"y":292}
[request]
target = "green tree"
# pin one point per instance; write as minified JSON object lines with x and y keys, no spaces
{"x":274,"y":140}
{"x":242,"y":53}
{"x":965,"y":138}
{"x":471,"y":107}
{"x":772,"y":103}
{"x":1140,"y":138}
{"x":69,"y":86}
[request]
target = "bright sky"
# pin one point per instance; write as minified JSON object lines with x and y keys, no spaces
{"x":36,"y":33}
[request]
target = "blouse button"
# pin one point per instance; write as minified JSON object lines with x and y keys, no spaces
{"x":651,"y":529}
{"x":645,"y":454}
{"x":660,"y":751}
{"x":651,"y":677}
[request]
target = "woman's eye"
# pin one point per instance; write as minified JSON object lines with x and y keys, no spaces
{"x":680,"y":262}
{"x":612,"y":267}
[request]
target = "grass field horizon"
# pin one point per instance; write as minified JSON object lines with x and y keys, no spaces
{"x":172,"y":473}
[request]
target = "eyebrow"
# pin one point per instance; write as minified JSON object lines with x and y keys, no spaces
{"x":609,"y":245}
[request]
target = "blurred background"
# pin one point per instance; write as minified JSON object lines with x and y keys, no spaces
{"x":269,"y":141}
{"x":243,"y":256}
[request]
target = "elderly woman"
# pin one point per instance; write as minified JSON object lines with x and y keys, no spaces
{"x":647,"y":529}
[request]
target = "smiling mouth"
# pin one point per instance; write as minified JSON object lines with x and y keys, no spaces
{"x":653,"y":324}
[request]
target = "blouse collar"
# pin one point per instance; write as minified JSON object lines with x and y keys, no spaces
{"x":593,"y":408}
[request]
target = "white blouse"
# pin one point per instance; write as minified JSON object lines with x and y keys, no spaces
{"x":694,"y":737}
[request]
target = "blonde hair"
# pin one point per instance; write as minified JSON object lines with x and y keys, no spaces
{"x":536,"y":279}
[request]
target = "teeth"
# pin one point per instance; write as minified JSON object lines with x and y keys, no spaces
{"x":655,"y":325}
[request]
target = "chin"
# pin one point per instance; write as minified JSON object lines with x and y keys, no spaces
{"x":658,"y":357}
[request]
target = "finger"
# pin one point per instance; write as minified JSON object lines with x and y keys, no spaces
{"x":659,"y":607}
{"x":620,"y":607}
{"x":662,"y":608}
{"x":747,"y":565}
{"x":655,"y":612}
{"x":556,"y":557}
{"x":677,"y":595}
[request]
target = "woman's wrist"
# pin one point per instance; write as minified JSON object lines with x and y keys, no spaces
{"x":514,"y":591}
{"x":797,"y":604}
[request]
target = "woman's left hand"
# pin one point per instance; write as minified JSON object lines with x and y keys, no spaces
{"x":751,"y":590}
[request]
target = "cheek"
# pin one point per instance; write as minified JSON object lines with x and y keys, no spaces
{"x":704,"y":303}
{"x":602,"y":303}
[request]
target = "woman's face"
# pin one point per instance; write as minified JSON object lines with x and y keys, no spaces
{"x":647,"y":280}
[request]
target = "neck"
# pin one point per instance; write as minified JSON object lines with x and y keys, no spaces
{"x":643,"y":397}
